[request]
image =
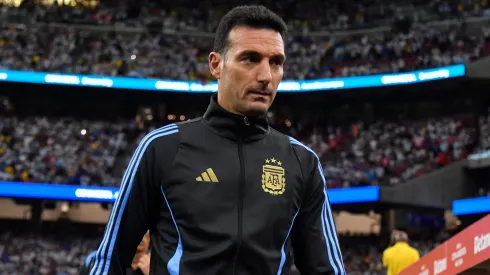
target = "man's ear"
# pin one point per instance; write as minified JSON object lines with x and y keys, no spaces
{"x":215,"y":59}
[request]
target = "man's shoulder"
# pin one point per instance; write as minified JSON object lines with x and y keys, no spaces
{"x":287,"y":139}
{"x":306,"y":156}
{"x":388,"y":250}
{"x":414,"y":251}
{"x":279,"y":137}
{"x":169,"y":134}
{"x":189,"y":122}
{"x":160,"y":136}
{"x":301,"y":149}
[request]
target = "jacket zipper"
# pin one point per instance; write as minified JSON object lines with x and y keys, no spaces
{"x":241,"y":186}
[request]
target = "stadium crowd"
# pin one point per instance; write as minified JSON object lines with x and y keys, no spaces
{"x":64,"y":150}
{"x":52,"y":254}
{"x":174,"y":54}
{"x":64,"y":254}
{"x":483,"y":146}
{"x":311,"y":15}
{"x":148,"y":55}
{"x":378,"y":154}
{"x":390,"y":153}
{"x":67,"y":151}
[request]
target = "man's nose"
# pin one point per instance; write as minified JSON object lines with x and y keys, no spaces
{"x":264,"y":74}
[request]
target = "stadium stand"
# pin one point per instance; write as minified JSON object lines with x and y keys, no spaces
{"x":65,"y":150}
{"x":68,"y":50}
{"x":312,"y":15}
{"x":390,"y":153}
{"x":59,"y":151}
{"x":65,"y":48}
{"x":56,"y":251}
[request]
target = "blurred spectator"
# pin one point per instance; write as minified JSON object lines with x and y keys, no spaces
{"x":400,"y":254}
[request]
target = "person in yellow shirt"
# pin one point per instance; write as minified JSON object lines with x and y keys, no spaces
{"x":400,"y":255}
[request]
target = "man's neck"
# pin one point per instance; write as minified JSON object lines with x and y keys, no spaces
{"x":223,"y":103}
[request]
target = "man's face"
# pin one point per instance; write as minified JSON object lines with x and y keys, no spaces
{"x":249,"y":74}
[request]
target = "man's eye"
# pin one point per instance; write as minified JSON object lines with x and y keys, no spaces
{"x":249,"y":59}
{"x":277,"y":62}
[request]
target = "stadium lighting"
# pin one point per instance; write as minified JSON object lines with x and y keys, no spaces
{"x":65,"y":207}
{"x":83,"y":132}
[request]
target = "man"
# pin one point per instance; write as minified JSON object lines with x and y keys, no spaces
{"x":225,"y":193}
{"x":401,"y":255}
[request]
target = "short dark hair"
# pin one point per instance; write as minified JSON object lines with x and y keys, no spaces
{"x":255,"y":16}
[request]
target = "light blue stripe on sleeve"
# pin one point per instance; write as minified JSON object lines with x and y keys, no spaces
{"x":89,"y":258}
{"x":283,"y":253}
{"x":103,"y":258}
{"x":328,"y":213}
{"x":327,"y":221}
{"x":109,"y":230}
{"x":173,"y":265}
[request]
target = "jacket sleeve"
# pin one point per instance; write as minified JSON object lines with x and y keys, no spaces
{"x":136,"y":207}
{"x":88,"y":263}
{"x":315,"y":244}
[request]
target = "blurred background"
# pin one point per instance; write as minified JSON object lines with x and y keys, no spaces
{"x":82,"y":81}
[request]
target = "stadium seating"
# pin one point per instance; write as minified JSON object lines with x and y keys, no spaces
{"x":66,"y":50}
{"x":391,"y":153}
{"x":144,"y":52}
{"x":59,"y":252}
{"x":312,"y":15}
{"x":84,"y":153}
{"x":59,"y":150}
{"x":35,"y":253}
{"x":378,"y":154}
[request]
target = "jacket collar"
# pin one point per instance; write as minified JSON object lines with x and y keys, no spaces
{"x":234,"y":126}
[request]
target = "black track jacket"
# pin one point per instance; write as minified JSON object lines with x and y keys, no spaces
{"x":222,"y":194}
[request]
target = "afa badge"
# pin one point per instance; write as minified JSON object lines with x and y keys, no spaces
{"x":273,"y":178}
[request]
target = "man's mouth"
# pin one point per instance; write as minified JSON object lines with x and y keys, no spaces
{"x":262,"y":93}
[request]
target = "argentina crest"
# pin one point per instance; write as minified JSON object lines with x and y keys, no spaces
{"x":273,"y":178}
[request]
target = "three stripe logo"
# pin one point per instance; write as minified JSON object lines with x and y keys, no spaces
{"x":207,"y":176}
